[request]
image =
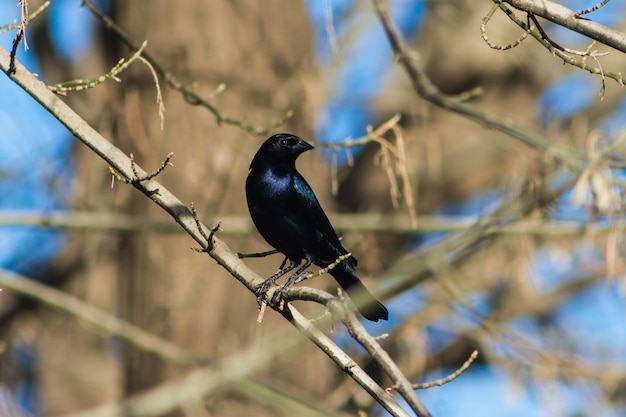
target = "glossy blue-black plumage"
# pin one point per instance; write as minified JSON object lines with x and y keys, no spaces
{"x":288,"y":215}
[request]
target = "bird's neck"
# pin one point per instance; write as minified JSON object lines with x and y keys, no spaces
{"x":282,"y":168}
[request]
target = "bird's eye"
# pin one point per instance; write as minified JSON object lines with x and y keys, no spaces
{"x":284,"y":142}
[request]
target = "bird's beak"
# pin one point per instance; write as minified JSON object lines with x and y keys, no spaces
{"x":302,"y":146}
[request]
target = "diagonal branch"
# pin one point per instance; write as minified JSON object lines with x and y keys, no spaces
{"x":184,"y":217}
{"x":402,"y":384}
{"x":349,"y":366}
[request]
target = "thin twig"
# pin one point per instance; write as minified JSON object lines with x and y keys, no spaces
{"x":82,"y":84}
{"x":157,"y":85}
{"x":24,"y":21}
{"x":447,"y":379}
{"x":21,"y":35}
{"x":591,"y":9}
{"x":331,"y":266}
{"x":483,"y":33}
{"x":371,"y":135}
{"x":588,"y":53}
{"x":209,"y":239}
{"x":7,"y":28}
{"x":137,"y":177}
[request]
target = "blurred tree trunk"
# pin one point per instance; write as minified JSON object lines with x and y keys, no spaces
{"x":257,"y":50}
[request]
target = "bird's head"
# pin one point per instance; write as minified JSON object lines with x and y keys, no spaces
{"x":279,"y":148}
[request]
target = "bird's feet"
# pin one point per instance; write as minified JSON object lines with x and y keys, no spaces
{"x":265,"y":294}
{"x":278,"y":295}
{"x":262,"y":289}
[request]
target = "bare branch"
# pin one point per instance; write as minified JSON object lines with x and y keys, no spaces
{"x":402,"y":384}
{"x":591,"y":9}
{"x":450,"y":377}
{"x":209,"y":238}
{"x":339,"y":356}
{"x":21,"y":35}
{"x":81,"y":84}
{"x":565,"y":57}
{"x":137,"y":177}
{"x":483,"y":33}
{"x":331,"y":266}
{"x":161,"y":347}
{"x":562,"y":16}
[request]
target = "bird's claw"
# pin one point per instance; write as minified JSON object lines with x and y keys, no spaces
{"x":276,"y":296}
{"x":261,"y":291}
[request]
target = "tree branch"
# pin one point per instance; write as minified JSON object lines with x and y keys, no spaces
{"x":402,"y":384}
{"x":562,"y":16}
{"x":346,"y":363}
{"x":579,"y":63}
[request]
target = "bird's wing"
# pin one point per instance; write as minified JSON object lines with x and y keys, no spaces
{"x":308,"y":205}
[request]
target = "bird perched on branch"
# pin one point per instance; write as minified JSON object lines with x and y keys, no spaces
{"x":286,"y":212}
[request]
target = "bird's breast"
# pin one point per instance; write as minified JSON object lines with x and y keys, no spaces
{"x":275,"y":186}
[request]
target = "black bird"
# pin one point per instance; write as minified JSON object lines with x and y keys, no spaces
{"x":286,"y":212}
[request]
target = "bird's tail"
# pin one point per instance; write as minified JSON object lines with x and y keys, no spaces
{"x":368,"y":306}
